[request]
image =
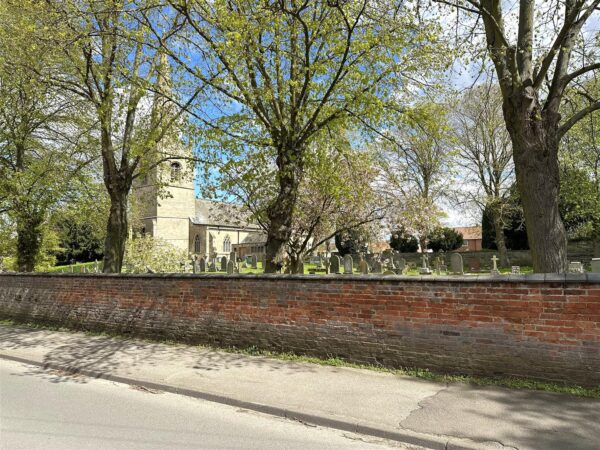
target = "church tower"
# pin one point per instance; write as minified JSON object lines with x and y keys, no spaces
{"x":164,"y":193}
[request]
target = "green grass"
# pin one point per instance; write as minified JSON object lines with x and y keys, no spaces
{"x":77,"y":268}
{"x":425,"y":374}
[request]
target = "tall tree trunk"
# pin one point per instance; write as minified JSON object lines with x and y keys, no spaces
{"x":29,"y":240}
{"x":280,"y":212}
{"x":500,"y":239}
{"x":117,"y":231}
{"x":535,"y":142}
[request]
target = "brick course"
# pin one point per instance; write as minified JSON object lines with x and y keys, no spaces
{"x":521,"y":326}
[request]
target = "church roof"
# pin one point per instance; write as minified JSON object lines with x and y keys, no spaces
{"x":222,"y":214}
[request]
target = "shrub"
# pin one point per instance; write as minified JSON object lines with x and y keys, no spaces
{"x":445,"y":239}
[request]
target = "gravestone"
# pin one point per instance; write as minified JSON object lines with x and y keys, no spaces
{"x":425,"y":270}
{"x":202,"y":265}
{"x":230,"y":266}
{"x":348,"y":263}
{"x":456,"y":264}
{"x":596,"y":265}
{"x":495,"y":270}
{"x":334,"y":264}
{"x":516,"y":270}
{"x":400,"y":265}
{"x":253,"y":262}
{"x":377,"y":267}
{"x":438,"y":265}
{"x":576,"y":267}
{"x":363,"y":267}
{"x":224,"y":264}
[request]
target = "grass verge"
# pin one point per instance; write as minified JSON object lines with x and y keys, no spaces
{"x":425,"y":374}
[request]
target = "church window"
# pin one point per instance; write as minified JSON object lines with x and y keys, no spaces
{"x":197,"y":244}
{"x":175,"y":171}
{"x":226,"y":244}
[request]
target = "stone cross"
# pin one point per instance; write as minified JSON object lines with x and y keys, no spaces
{"x":348,"y":265}
{"x":495,"y":270}
{"x":425,"y":270}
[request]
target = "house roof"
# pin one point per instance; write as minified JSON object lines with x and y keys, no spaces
{"x":469,"y":232}
{"x":222,"y":214}
{"x":255,"y":238}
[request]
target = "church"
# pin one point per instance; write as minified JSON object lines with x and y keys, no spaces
{"x":166,"y":206}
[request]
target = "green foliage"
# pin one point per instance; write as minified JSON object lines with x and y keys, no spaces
{"x":445,"y":239}
{"x":403,"y":241}
{"x":579,"y":202}
{"x":148,"y":253}
{"x":351,"y":242}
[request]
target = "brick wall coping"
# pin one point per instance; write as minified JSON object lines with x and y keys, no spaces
{"x":525,"y":278}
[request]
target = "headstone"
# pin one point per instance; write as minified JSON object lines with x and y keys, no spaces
{"x":438,"y":265}
{"x":335,"y":264}
{"x":363,"y":267}
{"x":596,"y":265}
{"x":348,"y":263}
{"x":230,"y":266}
{"x":224,"y":264}
{"x":202,"y":265}
{"x":516,"y":270}
{"x":253,"y":262}
{"x":456,"y":264}
{"x":377,"y":267}
{"x":576,"y":267}
{"x":425,"y":270}
{"x":495,"y":270}
{"x":400,"y":265}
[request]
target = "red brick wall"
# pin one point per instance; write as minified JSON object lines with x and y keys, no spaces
{"x":523,"y":326}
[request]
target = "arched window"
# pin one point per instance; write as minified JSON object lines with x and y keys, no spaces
{"x":175,"y":171}
{"x":226,"y":244}
{"x":197,"y":244}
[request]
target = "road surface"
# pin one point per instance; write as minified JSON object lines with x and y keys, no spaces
{"x":44,"y":409}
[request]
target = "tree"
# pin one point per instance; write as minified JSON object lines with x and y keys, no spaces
{"x":351,"y":242}
{"x":485,"y":154}
{"x":280,"y":73}
{"x":445,"y":239}
{"x":415,"y":158}
{"x":111,"y":63}
{"x":336,"y":193}
{"x":536,"y":61}
{"x":44,"y":143}
{"x":404,"y":242}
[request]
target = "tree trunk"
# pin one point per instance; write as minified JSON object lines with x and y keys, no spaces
{"x":500,"y":239}
{"x":535,"y":142}
{"x":29,"y":240}
{"x":280,"y":212}
{"x":117,"y":231}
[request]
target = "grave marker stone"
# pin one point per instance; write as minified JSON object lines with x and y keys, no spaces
{"x":230,"y":266}
{"x":224,"y":264}
{"x":576,"y":267}
{"x":348,"y":263}
{"x":363,"y":267}
{"x":456,"y":264}
{"x":596,"y":265}
{"x":495,"y":270}
{"x":335,"y":264}
{"x":516,"y":270}
{"x":202,"y":265}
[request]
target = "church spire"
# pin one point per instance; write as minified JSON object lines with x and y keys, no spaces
{"x":162,"y":106}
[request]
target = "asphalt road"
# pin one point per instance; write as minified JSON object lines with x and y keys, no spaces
{"x":43,"y":409}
